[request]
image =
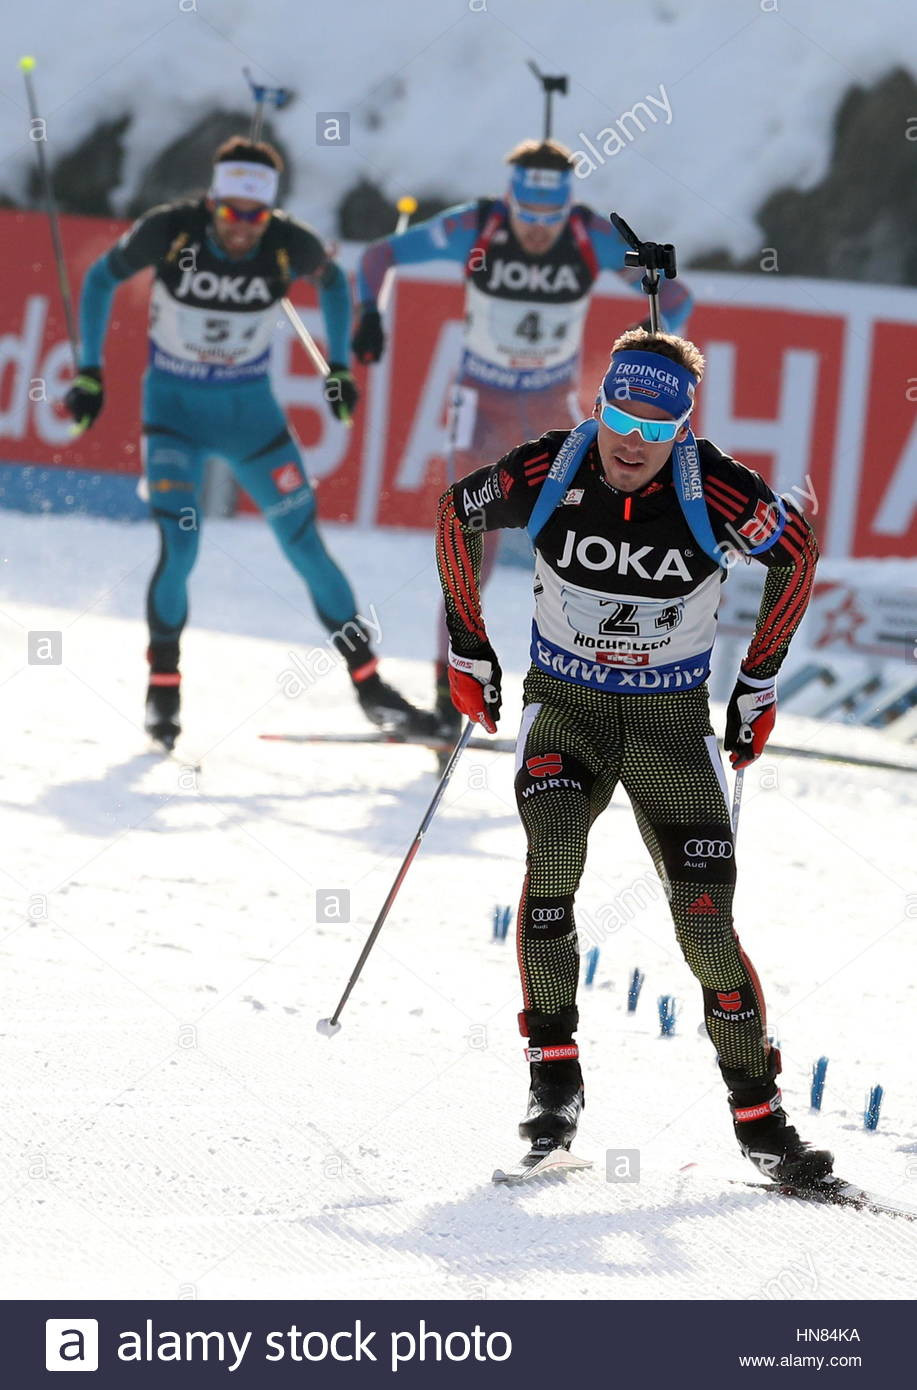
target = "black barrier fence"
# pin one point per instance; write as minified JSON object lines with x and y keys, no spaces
{"x":540,"y":1343}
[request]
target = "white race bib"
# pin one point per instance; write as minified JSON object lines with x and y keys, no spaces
{"x":621,"y":629}
{"x":523,"y":333}
{"x":217,"y":336}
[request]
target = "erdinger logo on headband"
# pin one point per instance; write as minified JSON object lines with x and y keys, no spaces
{"x":642,"y":369}
{"x":649,"y":375}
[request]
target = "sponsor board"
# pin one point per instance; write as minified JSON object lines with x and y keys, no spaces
{"x":849,"y":617}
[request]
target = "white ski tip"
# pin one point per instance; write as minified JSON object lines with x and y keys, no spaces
{"x":554,"y":1161}
{"x":327,"y":1028}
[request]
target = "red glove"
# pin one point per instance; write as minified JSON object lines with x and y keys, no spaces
{"x":474,"y":684}
{"x":750,"y":717}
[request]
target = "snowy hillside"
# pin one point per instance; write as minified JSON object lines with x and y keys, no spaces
{"x":172,"y":1124}
{"x":746,"y":93}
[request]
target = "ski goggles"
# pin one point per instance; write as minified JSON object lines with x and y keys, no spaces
{"x":540,"y":197}
{"x":538,"y":215}
{"x":653,"y":431}
{"x":228,"y":214}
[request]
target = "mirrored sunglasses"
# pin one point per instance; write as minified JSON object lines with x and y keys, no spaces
{"x":226,"y":212}
{"x":540,"y":216}
{"x":653,"y":431}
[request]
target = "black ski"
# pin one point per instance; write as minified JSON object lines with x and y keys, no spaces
{"x":437,"y":745}
{"x":508,"y":745}
{"x":835,"y":1192}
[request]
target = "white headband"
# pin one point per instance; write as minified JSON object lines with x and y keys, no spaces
{"x":239,"y":179}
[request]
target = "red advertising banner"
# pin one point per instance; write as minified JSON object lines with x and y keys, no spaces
{"x":812,"y":382}
{"x":35,"y":357}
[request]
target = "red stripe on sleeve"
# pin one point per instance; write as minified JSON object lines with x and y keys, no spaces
{"x":786,"y":628}
{"x":778,"y":615}
{"x":730,"y":516}
{"x":712,"y":491}
{"x":795,"y":536}
{"x":446,"y":559}
{"x":786,"y":614}
{"x":712,"y":480}
{"x":459,"y":571}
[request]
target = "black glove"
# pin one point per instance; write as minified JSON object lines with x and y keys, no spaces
{"x":341,"y":391}
{"x":750,"y":717}
{"x":368,"y":342}
{"x":85,"y":398}
{"x":474,"y":685}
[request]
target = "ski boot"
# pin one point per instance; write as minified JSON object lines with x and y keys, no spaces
{"x":163,"y":696}
{"x":387,"y":709}
{"x":556,"y":1097}
{"x":380,"y":702}
{"x":765,"y":1137}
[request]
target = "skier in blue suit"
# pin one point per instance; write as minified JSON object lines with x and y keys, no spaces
{"x":221,"y":265}
{"x":531,"y":260}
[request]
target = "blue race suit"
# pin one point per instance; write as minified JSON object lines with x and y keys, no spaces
{"x":524,"y":319}
{"x":207,"y":391}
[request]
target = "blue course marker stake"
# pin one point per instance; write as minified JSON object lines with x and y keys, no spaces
{"x":667,"y":1012}
{"x":873,"y":1106}
{"x":502,"y":917}
{"x":592,"y":961}
{"x":818,"y":1082}
{"x":633,"y":992}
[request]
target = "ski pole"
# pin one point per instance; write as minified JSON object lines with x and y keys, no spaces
{"x":27,"y":67}
{"x":305,"y":337}
{"x":278,"y":97}
{"x":737,"y":801}
{"x":747,"y":737}
{"x":407,"y":206}
{"x":329,"y":1026}
{"x":311,"y":346}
